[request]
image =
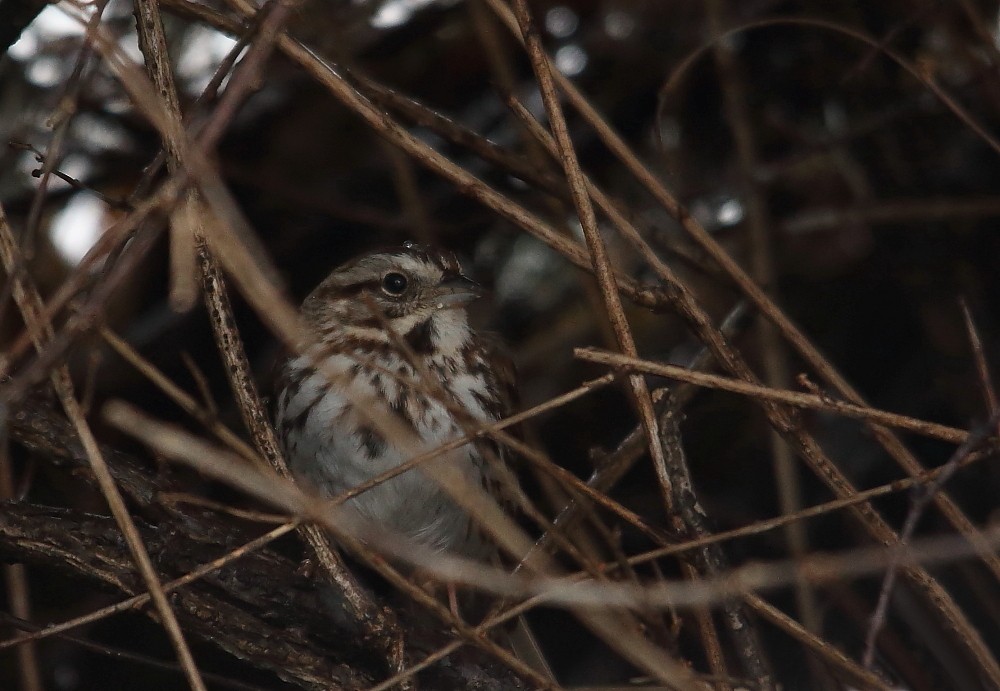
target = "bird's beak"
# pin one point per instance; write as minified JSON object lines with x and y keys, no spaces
{"x":457,"y":291}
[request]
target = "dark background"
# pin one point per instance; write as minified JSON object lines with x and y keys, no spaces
{"x":879,"y":205}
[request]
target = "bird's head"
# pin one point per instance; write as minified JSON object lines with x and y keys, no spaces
{"x":413,"y":289}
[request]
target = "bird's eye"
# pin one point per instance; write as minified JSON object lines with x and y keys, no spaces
{"x":394,"y":283}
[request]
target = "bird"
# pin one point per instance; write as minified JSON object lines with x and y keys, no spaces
{"x":385,"y":323}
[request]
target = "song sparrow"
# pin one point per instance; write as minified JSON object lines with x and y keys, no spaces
{"x":360,"y":313}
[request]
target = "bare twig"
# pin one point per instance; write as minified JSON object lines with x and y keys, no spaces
{"x":595,"y":244}
{"x":187,"y":241}
{"x":16,"y":576}
{"x":30,"y":304}
{"x":979,"y":356}
{"x":61,"y":119}
{"x":709,"y":558}
{"x":828,"y":653}
{"x":794,"y":336}
{"x":772,"y":351}
{"x":565,"y":591}
{"x":921,"y":501}
{"x":88,"y":313}
{"x":177,"y":395}
{"x":121,"y":654}
{"x":765,"y":525}
{"x":140,"y":600}
{"x":804,"y":445}
{"x":794,"y":398}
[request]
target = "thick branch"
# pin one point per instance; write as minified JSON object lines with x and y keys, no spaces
{"x":258,"y":608}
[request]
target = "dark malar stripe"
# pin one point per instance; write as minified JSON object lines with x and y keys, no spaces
{"x":421,"y":338}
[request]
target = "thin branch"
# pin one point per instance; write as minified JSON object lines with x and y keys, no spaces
{"x":979,"y":357}
{"x":710,"y":558}
{"x":925,"y":494}
{"x":794,"y":398}
{"x":137,"y":601}
{"x":30,"y":305}
{"x":121,"y":654}
{"x":16,"y":576}
{"x":773,"y":354}
{"x":603,"y":270}
{"x":763,"y":526}
{"x":933,"y":594}
{"x":381,"y":629}
{"x":564,"y":591}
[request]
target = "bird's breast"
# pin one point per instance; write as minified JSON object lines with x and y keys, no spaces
{"x":358,"y":417}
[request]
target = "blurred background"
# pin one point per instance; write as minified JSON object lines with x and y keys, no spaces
{"x":876,"y":212}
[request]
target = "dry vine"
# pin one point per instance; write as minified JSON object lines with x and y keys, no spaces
{"x":676,"y":566}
